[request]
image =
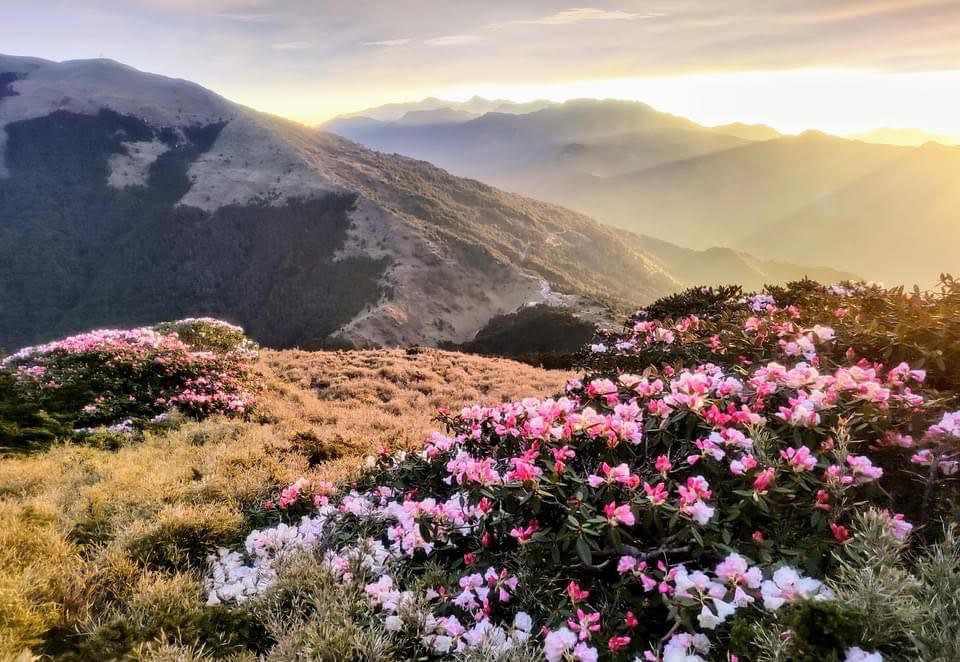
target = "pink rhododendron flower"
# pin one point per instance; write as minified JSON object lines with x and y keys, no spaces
{"x":948,"y":426}
{"x":863,"y":469}
{"x":737,"y":572}
{"x":743,"y":465}
{"x":662,"y":465}
{"x":763,"y":480}
{"x":840,"y":533}
{"x":523,"y":534}
{"x":799,"y":459}
{"x":657,"y":493}
{"x":899,"y":527}
{"x":585,"y":624}
{"x":619,"y":514}
{"x":576,"y":593}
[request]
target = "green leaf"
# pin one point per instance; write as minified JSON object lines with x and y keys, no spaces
{"x":583,"y":551}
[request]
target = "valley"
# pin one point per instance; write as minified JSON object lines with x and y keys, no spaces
{"x":743,"y":188}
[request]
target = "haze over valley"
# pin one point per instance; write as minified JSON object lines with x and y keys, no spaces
{"x":745,"y":187}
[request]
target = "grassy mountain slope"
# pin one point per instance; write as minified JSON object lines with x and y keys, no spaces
{"x":116,"y":213}
{"x":901,"y":221}
{"x":104,"y":551}
{"x":721,"y":197}
{"x":726,"y":266}
{"x":572,"y":153}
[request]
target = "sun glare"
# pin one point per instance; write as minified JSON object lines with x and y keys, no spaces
{"x":834,"y":100}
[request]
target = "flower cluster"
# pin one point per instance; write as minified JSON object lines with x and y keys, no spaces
{"x":124,"y":378}
{"x":684,"y":483}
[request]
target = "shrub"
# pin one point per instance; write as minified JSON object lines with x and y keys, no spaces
{"x":724,"y":327}
{"x":311,"y":615}
{"x":124,"y":380}
{"x":712,"y":481}
{"x":539,"y":335}
{"x":24,"y":424}
{"x":180,"y":538}
{"x":206,"y":334}
{"x":166,"y":612}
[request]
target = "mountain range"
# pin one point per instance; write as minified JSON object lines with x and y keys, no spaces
{"x":128,"y":198}
{"x":904,"y":137}
{"x":811,"y":198}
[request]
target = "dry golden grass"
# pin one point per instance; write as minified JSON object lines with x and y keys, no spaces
{"x":348,"y":404}
{"x":87,"y":535}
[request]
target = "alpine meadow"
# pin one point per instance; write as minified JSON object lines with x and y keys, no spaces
{"x":480,"y":332}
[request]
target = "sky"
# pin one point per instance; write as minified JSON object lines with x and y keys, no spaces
{"x":841,"y":66}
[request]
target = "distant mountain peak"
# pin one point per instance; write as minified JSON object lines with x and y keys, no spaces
{"x":906,"y":137}
{"x":755,"y":132}
{"x":435,"y":116}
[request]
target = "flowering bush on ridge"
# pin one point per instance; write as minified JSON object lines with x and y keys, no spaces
{"x":125,"y":378}
{"x":708,"y":478}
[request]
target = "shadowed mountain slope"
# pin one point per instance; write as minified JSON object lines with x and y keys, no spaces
{"x":126,"y":198}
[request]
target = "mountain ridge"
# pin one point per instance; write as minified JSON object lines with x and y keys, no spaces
{"x":129,"y":198}
{"x":732,"y":185}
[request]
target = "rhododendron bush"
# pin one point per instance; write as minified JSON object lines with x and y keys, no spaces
{"x":704,"y":492}
{"x":126,"y":378}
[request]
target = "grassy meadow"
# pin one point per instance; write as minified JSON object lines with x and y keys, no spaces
{"x":103,"y":552}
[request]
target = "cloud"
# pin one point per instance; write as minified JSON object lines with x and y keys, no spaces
{"x":293,"y":45}
{"x":201,"y":6}
{"x":581,"y":14}
{"x":386,"y":42}
{"x":452,"y":40}
{"x":245,"y":18}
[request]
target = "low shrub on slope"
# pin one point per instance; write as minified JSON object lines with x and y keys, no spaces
{"x":539,"y":335}
{"x":124,"y":379}
{"x":777,"y":497}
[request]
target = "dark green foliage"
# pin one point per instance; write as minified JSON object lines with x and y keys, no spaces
{"x":178,"y":544}
{"x":821,"y":630}
{"x":76,"y":253}
{"x":221,"y":630}
{"x":741,"y":634}
{"x":702,"y":301}
{"x":539,"y":335}
{"x":24,"y":424}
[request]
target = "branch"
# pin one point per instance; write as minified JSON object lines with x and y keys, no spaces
{"x":636,"y":552}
